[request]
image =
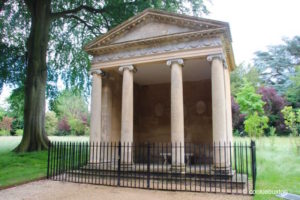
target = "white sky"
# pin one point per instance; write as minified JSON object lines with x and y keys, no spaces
{"x":255,"y":24}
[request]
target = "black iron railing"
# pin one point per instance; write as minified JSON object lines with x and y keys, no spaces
{"x":225,"y":168}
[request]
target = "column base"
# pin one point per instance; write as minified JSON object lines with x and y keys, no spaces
{"x":178,"y":168}
{"x":222,"y":170}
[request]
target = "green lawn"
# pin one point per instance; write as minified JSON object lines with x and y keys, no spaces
{"x":278,"y":165}
{"x":17,"y":168}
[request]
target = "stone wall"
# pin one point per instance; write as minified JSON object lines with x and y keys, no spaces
{"x":152,"y":112}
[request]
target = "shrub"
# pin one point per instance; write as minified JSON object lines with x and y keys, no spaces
{"x":249,"y":101}
{"x":5,"y":124}
{"x":64,"y":127}
{"x":77,"y":126}
{"x":291,"y":119}
{"x":256,"y":124}
{"x":274,"y":103}
{"x":4,"y":132}
{"x":272,"y":131}
{"x":19,"y":132}
{"x":51,"y":123}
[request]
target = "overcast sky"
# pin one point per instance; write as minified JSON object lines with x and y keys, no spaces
{"x":255,"y":24}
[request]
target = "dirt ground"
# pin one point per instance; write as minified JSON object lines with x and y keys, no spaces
{"x":46,"y":189}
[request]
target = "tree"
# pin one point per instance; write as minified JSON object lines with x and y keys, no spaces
{"x":51,"y":123}
{"x":16,"y":107}
{"x":293,"y":47}
{"x":251,"y":105}
{"x":62,"y":27}
{"x":293,"y":91}
{"x":274,"y":103}
{"x":242,"y":72}
{"x":72,"y":111}
{"x":5,"y":123}
{"x":278,"y":63}
{"x":255,"y":125}
{"x":249,"y":101}
{"x":70,"y":103}
{"x":237,"y":117}
{"x":291,"y":119}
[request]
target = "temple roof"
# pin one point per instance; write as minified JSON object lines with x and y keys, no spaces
{"x":155,"y":26}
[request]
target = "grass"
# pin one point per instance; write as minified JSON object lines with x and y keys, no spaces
{"x":17,"y":168}
{"x":278,"y":165}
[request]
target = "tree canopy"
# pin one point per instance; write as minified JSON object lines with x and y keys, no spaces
{"x":278,"y":63}
{"x":41,"y":42}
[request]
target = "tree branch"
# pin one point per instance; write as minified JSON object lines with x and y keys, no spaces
{"x":85,"y":23}
{"x":65,"y":13}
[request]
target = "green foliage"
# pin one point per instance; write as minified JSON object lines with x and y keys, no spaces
{"x":272,"y":131}
{"x":248,"y":100}
{"x":51,"y":123}
{"x":291,"y":119}
{"x":4,"y":132}
{"x":277,"y":166}
{"x":278,"y":63}
{"x":293,"y":92}
{"x":68,"y":34}
{"x":19,"y":132}
{"x":2,"y":113}
{"x":77,"y":127}
{"x":70,"y":104}
{"x":72,"y":111}
{"x":16,"y":107}
{"x":255,"y":124}
{"x":243,"y":72}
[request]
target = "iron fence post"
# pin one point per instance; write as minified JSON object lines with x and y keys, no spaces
{"x":253,"y":162}
{"x":48,"y":163}
{"x":119,"y":163}
{"x":148,"y":165}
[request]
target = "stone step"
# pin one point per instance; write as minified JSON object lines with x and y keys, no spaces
{"x":235,"y":181}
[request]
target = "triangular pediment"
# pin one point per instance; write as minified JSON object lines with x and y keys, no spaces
{"x":154,"y":24}
{"x":152,"y":29}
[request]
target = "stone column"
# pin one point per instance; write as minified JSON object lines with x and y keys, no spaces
{"x":228,"y":105}
{"x":95,"y":126}
{"x":95,"y":131}
{"x":177,"y":113}
{"x":127,"y":113}
{"x":219,"y":111}
{"x":106,"y":120}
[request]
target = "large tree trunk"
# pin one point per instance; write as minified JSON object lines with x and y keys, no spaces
{"x":34,"y":137}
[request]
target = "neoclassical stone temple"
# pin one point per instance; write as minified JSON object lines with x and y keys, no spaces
{"x":162,"y":77}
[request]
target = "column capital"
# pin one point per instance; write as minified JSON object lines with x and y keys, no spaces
{"x":177,"y":60}
{"x":97,"y":72}
{"x":128,"y":67}
{"x":219,"y":56}
{"x":215,"y":56}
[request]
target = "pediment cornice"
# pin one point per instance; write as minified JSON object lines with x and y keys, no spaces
{"x":156,"y":40}
{"x":197,"y":26}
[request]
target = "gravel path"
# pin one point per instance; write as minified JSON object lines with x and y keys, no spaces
{"x":45,"y":189}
